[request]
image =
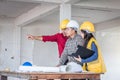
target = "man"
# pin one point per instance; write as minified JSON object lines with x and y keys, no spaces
{"x":59,"y":38}
{"x":71,"y":45}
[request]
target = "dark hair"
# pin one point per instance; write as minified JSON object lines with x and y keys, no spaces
{"x":87,"y":37}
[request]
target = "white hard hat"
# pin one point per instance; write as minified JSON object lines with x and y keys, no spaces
{"x":73,"y":67}
{"x":73,"y":24}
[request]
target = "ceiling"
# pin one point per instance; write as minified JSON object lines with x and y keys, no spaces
{"x":14,"y":8}
{"x":94,"y":10}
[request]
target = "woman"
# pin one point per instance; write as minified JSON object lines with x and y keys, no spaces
{"x":94,"y":63}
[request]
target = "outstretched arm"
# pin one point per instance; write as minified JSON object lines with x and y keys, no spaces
{"x":52,"y":38}
{"x":31,"y":37}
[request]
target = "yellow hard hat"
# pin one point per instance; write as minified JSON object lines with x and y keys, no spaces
{"x":87,"y":25}
{"x":63,"y":24}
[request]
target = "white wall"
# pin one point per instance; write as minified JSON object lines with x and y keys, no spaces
{"x":109,"y":40}
{"x":8,"y":59}
{"x":38,"y":52}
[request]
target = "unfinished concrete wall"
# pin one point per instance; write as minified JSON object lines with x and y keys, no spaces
{"x":38,"y":52}
{"x":108,"y":36}
{"x":8,"y":58}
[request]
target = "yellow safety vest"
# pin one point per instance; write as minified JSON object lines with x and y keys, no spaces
{"x":98,"y":65}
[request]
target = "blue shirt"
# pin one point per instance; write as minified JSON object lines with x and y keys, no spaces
{"x":94,"y":56}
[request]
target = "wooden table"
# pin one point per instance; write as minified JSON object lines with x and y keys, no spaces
{"x":46,"y":75}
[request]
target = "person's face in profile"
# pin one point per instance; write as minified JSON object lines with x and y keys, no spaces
{"x":63,"y":31}
{"x":69,"y":32}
